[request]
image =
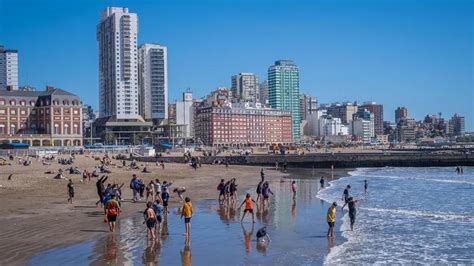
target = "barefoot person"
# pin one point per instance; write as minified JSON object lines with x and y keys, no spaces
{"x":158,"y":208}
{"x":150,"y":219}
{"x":321,"y":182}
{"x":248,"y":207}
{"x":366,"y":186}
{"x":187,"y":213}
{"x":331,"y":219}
{"x":180,"y":191}
{"x":70,"y":191}
{"x":112,"y":211}
{"x":345,"y":196}
{"x":262,"y":235}
{"x":293,"y":188}
{"x":352,"y":211}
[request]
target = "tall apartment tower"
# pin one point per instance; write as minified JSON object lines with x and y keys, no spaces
{"x":308,"y":105}
{"x":400,"y":113}
{"x":377,"y":110}
{"x":8,"y":68}
{"x":263,"y":88}
{"x":245,"y":87}
{"x":284,"y":90}
{"x":118,"y":64}
{"x":153,"y":81}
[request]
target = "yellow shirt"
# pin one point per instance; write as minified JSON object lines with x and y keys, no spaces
{"x":331,"y":216}
{"x":187,"y":209}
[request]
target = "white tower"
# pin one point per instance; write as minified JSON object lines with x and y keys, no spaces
{"x":118,"y":63}
{"x":8,"y":68}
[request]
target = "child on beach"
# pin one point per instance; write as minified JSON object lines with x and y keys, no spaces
{"x":321,"y":182}
{"x":345,"y":196}
{"x":158,"y":208}
{"x":187,"y":213}
{"x":266,"y":191}
{"x":259,"y":191}
{"x":112,"y":211}
{"x":221,"y":189}
{"x":262,"y":235}
{"x":165,"y":196}
{"x":150,"y":218}
{"x":180,"y":191}
{"x":70,"y":191}
{"x":293,"y":188}
{"x":248,"y":207}
{"x":331,"y":219}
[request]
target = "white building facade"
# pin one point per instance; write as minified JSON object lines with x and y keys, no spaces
{"x":185,"y":114}
{"x":153,"y":81}
{"x":117,"y":34}
{"x":363,"y":129}
{"x":246,"y":87}
{"x":8,"y":68}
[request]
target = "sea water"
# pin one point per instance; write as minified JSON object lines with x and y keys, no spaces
{"x":408,"y":215}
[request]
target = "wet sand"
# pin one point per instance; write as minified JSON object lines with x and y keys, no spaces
{"x":36,"y":217}
{"x":297,"y":229}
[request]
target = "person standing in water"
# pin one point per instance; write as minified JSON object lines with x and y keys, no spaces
{"x":321,"y":182}
{"x":331,"y":219}
{"x":70,"y":191}
{"x":248,"y":207}
{"x":187,"y":213}
{"x":150,"y":219}
{"x":112,"y":211}
{"x":366,"y":186}
{"x":293,"y":188}
{"x":352,"y":211}
{"x":345,"y":196}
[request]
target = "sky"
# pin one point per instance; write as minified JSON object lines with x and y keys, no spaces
{"x":418,"y":54}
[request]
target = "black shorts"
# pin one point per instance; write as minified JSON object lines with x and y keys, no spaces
{"x":150,"y":223}
{"x":159,"y":219}
{"x":248,"y":210}
{"x":71,"y":194}
{"x":111,"y":218}
{"x":222,"y":193}
{"x":331,"y":224}
{"x":165,"y":203}
{"x":187,"y":220}
{"x":352,"y":216}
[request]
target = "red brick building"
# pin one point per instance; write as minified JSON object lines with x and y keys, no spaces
{"x":226,"y":126}
{"x":40,"y":118}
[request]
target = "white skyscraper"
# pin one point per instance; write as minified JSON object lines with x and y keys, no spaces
{"x":185,"y":113}
{"x":153,"y":81}
{"x":118,"y":63}
{"x":8,"y":68}
{"x":245,"y":87}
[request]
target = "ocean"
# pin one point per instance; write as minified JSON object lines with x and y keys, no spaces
{"x":408,"y":215}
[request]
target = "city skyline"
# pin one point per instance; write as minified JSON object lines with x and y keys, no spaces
{"x":423,"y":60}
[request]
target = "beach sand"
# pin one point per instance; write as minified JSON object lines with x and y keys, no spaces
{"x":36,"y":216}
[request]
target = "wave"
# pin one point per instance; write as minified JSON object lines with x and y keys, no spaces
{"x":424,"y":179}
{"x":419,"y":213}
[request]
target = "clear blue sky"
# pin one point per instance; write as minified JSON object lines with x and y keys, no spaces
{"x":417,"y":54}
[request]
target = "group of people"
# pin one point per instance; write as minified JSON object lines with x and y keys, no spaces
{"x":351,"y":204}
{"x":227,"y":191}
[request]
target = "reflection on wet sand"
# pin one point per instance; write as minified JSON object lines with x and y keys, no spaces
{"x":248,"y":237}
{"x":186,"y":256}
{"x":152,"y":252}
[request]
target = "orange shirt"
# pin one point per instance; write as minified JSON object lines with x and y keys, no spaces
{"x":248,"y":203}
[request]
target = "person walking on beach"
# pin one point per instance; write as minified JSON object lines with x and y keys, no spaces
{"x":266,"y":191}
{"x":366,"y":186}
{"x":233,"y":191}
{"x":259,"y":191}
{"x":70,"y":191}
{"x":158,"y":208}
{"x":331,"y":219}
{"x":293,"y":188}
{"x":157,"y":189}
{"x":262,"y":175}
{"x":100,"y":188}
{"x":112,"y":211}
{"x":345,"y":196}
{"x":165,"y":196}
{"x":321,"y":182}
{"x":187,"y":213}
{"x":248,"y":207}
{"x":150,"y":219}
{"x":221,"y":189}
{"x":135,"y":187}
{"x":180,"y":191}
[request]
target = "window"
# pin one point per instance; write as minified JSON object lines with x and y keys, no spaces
{"x":66,"y":129}
{"x":76,"y":129}
{"x":2,"y":129}
{"x":12,"y":129}
{"x":13,"y":112}
{"x":57,"y":129}
{"x":23,"y":112}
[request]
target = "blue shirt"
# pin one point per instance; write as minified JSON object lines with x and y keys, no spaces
{"x":158,"y":208}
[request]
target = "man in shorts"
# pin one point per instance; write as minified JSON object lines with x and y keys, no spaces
{"x":150,"y":219}
{"x":331,"y":219}
{"x":158,"y":208}
{"x":248,"y":207}
{"x":70,"y":191}
{"x":345,"y":196}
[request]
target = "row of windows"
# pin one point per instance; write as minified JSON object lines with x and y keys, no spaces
{"x":41,"y":102}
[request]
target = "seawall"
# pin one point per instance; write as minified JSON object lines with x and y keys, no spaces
{"x":339,"y":160}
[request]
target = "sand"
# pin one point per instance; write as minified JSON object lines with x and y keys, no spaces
{"x":37,"y":217}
